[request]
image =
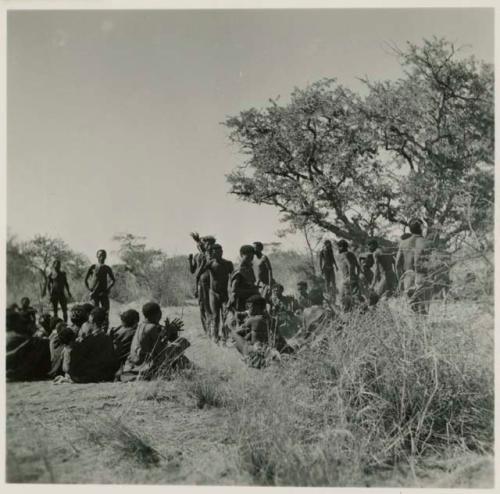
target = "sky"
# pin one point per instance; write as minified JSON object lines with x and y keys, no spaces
{"x":114,"y":117}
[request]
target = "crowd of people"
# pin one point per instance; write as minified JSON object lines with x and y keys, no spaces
{"x":243,"y":306}
{"x":248,"y":306}
{"x":87,"y":349}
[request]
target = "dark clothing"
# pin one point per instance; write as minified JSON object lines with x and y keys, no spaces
{"x":27,"y":357}
{"x":151,"y":353}
{"x":122,"y":340}
{"x":92,"y":359}
{"x":28,"y":320}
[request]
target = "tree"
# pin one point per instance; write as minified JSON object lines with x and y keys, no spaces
{"x":313,"y":158}
{"x":160,"y":277}
{"x":419,"y":146}
{"x":40,"y":253}
{"x":436,"y":125}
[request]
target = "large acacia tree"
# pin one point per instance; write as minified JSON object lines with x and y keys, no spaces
{"x":421,"y":145}
{"x":437,"y":126}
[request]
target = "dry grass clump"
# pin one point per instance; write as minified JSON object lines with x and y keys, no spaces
{"x":390,"y":388}
{"x":109,"y":431}
{"x":208,"y":388}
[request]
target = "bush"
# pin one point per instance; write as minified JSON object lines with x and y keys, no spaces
{"x":389,"y":388}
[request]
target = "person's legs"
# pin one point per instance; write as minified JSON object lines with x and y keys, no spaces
{"x":55,"y":305}
{"x":104,"y":300}
{"x":64,"y":307}
{"x":215,"y":317}
{"x":240,"y":343}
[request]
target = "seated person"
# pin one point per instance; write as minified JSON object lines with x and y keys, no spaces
{"x":302,"y":301}
{"x":56,"y":347}
{"x":28,"y":315}
{"x":79,"y":315}
{"x":97,"y":323}
{"x":44,"y":325}
{"x":90,"y":359}
{"x":314,"y":317}
{"x":151,"y":353}
{"x":122,"y":335}
{"x":256,"y":339}
{"x":282,"y":310}
{"x":27,"y":357}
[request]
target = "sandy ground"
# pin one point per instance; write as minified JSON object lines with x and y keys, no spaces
{"x":60,"y":433}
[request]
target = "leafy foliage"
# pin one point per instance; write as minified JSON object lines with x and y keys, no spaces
{"x":421,"y":145}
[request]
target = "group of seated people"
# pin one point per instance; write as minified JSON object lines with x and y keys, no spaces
{"x":85,"y":351}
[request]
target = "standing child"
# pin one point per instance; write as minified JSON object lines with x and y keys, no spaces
{"x":103,"y":280}
{"x":57,"y":283}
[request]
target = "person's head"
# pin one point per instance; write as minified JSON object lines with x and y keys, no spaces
{"x":25,"y":303}
{"x":277,"y":290}
{"x":98,"y":317}
{"x":44,"y":321}
{"x":366,"y":259}
{"x":101,"y":256}
{"x":327,"y":243}
{"x":258,"y":248}
{"x":87,"y":308}
{"x":342,"y":245}
{"x":65,"y":334}
{"x":208,"y":241}
{"x":130,"y":318}
{"x":54,"y":321}
{"x":56,"y":265}
{"x":372,"y":245}
{"x":256,"y":305}
{"x":416,"y":226}
{"x":152,"y":312}
{"x":216,"y":252}
{"x":78,"y":315}
{"x":316,"y":296}
{"x":247,"y":253}
{"x":302,"y":287}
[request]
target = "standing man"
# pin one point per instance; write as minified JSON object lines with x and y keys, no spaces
{"x":103,"y":280}
{"x":349,"y":267}
{"x":327,"y":266}
{"x":57,"y":283}
{"x":243,"y":283}
{"x":219,"y":271}
{"x":204,"y":245}
{"x":384,"y":281}
{"x":264,"y":271}
{"x":412,"y":263}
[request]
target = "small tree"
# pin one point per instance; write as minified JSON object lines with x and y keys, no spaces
{"x":40,"y":253}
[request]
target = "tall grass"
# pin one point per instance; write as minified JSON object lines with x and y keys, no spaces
{"x":390,"y":388}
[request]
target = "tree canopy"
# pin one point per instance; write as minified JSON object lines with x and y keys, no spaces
{"x":418,"y":146}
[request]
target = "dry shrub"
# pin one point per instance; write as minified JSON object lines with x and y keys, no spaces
{"x":110,"y":431}
{"x":208,"y":388}
{"x":389,"y":388}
